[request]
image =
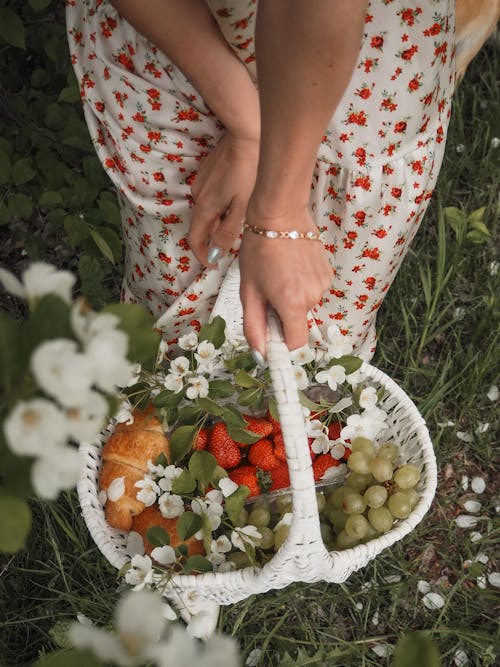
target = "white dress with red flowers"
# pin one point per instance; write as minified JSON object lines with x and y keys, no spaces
{"x":376,"y":168}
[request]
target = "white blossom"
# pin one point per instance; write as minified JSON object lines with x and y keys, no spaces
{"x":340,"y":345}
{"x":174,"y":382}
{"x":227,"y":486}
{"x":149,"y":491}
{"x":134,"y":545}
{"x":198,"y":387}
{"x":34,"y":427}
{"x":214,"y":496}
{"x":116,"y":489}
{"x":179,"y":366}
{"x":86,"y":421}
{"x":188,"y":342}
{"x":38,"y":280}
{"x":286,"y":520}
{"x":140,"y":573}
{"x":368,"y":397}
{"x":107,"y":354}
{"x":300,"y":376}
{"x":58,"y":469}
{"x":205,"y":354}
{"x":171,"y":505}
{"x":316,"y":430}
{"x":212,"y":510}
{"x":333,"y":376}
{"x":168,"y":475}
{"x":88,"y":324}
{"x":62,"y":372}
{"x":164,"y":555}
{"x":366,"y":425}
{"x":302,"y":355}
{"x":247,"y":534}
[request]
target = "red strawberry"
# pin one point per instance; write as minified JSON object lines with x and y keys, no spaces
{"x":279,"y":447}
{"x":246,"y":475}
{"x":261,"y":454}
{"x":274,"y":423}
{"x":202,"y":438}
{"x":347,"y":454}
{"x":223,"y":447}
{"x":311,"y":450}
{"x":280,"y":477}
{"x":258,"y":425}
{"x":334,"y":430}
{"x":322,"y":464}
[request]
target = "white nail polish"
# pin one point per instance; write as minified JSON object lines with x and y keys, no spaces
{"x":258,"y":358}
{"x":214,"y":254}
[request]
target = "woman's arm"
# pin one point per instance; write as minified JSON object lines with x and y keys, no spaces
{"x":306,"y":52}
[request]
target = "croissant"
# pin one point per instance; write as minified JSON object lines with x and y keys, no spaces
{"x":153,"y":517}
{"x":125,"y":458}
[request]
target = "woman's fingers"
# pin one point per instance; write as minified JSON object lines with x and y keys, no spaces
{"x":254,"y":319}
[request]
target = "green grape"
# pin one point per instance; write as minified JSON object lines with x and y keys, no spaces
{"x":380,"y":518}
{"x":337,"y":518}
{"x":356,"y":526}
{"x":407,"y":476}
{"x":412,"y":495}
{"x":381,"y":469}
{"x":399,"y":505}
{"x":363,"y":445}
{"x":375,"y":496}
{"x":284,"y":503}
{"x":326,"y":532}
{"x":388,"y":450}
{"x":242,"y":518}
{"x":345,"y":541}
{"x":358,"y":481}
{"x":321,"y":500}
{"x":280,"y":535}
{"x":370,"y":533}
{"x":259,"y":517}
{"x":336,"y":498}
{"x":267,"y":537}
{"x":239,"y":558}
{"x":359,"y":462}
{"x":354,"y":504}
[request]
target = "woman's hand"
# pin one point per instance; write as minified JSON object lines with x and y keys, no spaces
{"x":290,"y":275}
{"x":221,"y":192}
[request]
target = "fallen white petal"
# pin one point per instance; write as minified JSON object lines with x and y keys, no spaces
{"x":359,"y":606}
{"x":482,"y":428}
{"x":446,"y":424}
{"x":461,"y":659}
{"x":481,"y":581}
{"x":475,"y":536}
{"x":482,"y":558}
{"x":494,"y":579}
{"x":466,"y":521}
{"x":472,"y":506}
{"x":423,"y":586}
{"x":465,"y":437}
{"x":135,"y":544}
{"x":433,"y":600}
{"x":253,"y":657}
{"x":116,"y":489}
{"x":383,"y":650}
{"x":464,"y":482}
{"x":478,"y":485}
{"x":102,"y":496}
{"x":392,"y":578}
{"x":376,"y":618}
{"x":493,"y":393}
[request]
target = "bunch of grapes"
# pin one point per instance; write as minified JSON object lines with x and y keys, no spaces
{"x":375,"y":494}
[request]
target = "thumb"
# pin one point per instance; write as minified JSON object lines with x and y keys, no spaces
{"x":254,"y":321}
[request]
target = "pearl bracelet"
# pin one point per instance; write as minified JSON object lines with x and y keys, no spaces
{"x":293,"y":234}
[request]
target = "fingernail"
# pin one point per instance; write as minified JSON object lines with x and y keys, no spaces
{"x":214,"y":254}
{"x":258,"y":358}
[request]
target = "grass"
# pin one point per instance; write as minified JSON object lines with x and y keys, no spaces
{"x":439,"y":340}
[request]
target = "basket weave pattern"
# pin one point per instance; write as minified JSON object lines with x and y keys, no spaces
{"x":303,"y":556}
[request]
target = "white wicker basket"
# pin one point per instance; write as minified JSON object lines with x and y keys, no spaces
{"x":303,"y":556}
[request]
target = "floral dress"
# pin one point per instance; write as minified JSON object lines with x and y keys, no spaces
{"x":375,"y":172}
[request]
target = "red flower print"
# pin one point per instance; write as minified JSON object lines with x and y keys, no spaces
{"x":360,"y":217}
{"x":170,"y":219}
{"x":188,"y":114}
{"x":145,"y":149}
{"x":363,"y":182}
{"x":340,"y":294}
{"x":357,"y":118}
{"x":371,"y":253}
{"x":435,"y":29}
{"x":377,"y":42}
{"x":400,"y":126}
{"x":370,"y":282}
{"x":154,"y":136}
{"x":99,"y":106}
{"x":158,"y":176}
{"x":164,"y":258}
{"x":409,"y":53}
{"x":192,"y":297}
{"x":139,"y":117}
{"x":186,"y":311}
{"x":364,"y":92}
{"x":195,"y":324}
{"x":153,"y":93}
{"x":360,"y":155}
{"x":414,"y":84}
{"x":380,"y":233}
{"x":396,"y":192}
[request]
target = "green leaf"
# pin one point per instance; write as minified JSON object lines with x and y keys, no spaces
{"x":202,"y":466}
{"x":210,"y":406}
{"x":50,"y":199}
{"x":476,"y":216}
{"x":15,"y":522}
{"x":50,"y":318}
{"x":198,"y":563}
{"x":480,"y":227}
{"x":158,"y":536}
{"x":189,"y":414}
{"x":110,"y":211}
{"x":456,"y":218}
{"x":213,"y":331}
{"x":168,"y":399}
{"x":416,"y":649}
{"x":73,"y":657}
{"x":477,"y":237}
{"x":251,"y":396}
{"x":185,"y":483}
{"x":218,"y":474}
{"x":273,"y":409}
{"x":12,"y":360}
{"x":12,"y":28}
{"x":243,"y":436}
{"x":233,"y":418}
{"x":220,"y":389}
{"x":138,"y":323}
{"x":234,"y":503}
{"x":22,"y":171}
{"x":5,"y":215}
{"x":188,"y":524}
{"x":350,"y":363}
{"x":5,"y":167}
{"x":20,"y":205}
{"x":102,"y":244}
{"x":39,"y":5}
{"x":76,"y":229}
{"x":70,"y":94}
{"x":243,"y":379}
{"x":181,"y":442}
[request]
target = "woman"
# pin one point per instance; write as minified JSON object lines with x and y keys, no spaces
{"x":343,"y":135}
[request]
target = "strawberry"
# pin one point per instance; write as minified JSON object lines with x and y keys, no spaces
{"x":334,"y":430}
{"x":311,"y":450}
{"x":347,"y":454}
{"x":261,"y":454}
{"x":223,"y":447}
{"x":274,"y":423}
{"x":280,"y":477}
{"x":322,"y":464}
{"x":258,"y":425}
{"x":279,"y":447}
{"x":202,"y":438}
{"x":246,"y":475}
